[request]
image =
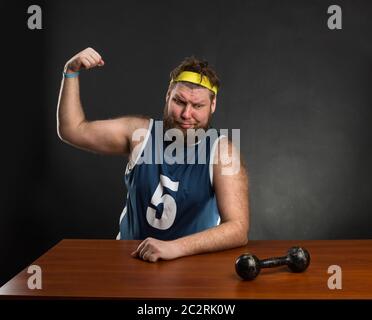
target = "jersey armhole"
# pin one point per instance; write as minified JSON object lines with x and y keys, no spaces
{"x":211,"y":158}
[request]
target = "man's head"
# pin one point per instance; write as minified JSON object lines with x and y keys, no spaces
{"x":190,"y":105}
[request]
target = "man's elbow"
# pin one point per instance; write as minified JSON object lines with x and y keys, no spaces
{"x":243,"y":234}
{"x":67,"y":134}
{"x":243,"y":238}
{"x":61,"y":133}
{"x":64,"y":135}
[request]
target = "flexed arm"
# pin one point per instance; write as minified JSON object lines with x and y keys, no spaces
{"x":111,"y":136}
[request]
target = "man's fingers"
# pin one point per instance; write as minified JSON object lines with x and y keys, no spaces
{"x":96,"y":56}
{"x":150,"y":256}
{"x":153,"y":257}
{"x":146,"y":255}
{"x":95,"y":59}
{"x":139,"y":248}
{"x":143,"y":250}
{"x":85,"y":62}
{"x":94,"y":53}
{"x":86,"y":59}
{"x":91,"y":60}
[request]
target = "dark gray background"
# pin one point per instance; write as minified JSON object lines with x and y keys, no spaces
{"x":299,"y":92}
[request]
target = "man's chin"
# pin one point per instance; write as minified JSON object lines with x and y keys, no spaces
{"x":184,"y":131}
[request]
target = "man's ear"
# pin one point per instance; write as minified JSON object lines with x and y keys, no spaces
{"x":213,"y":104}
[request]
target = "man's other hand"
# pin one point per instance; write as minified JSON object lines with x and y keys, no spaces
{"x":152,"y":250}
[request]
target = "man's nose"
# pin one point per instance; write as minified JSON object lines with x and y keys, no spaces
{"x":186,"y":113}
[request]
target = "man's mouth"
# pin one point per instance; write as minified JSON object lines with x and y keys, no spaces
{"x":185,"y":125}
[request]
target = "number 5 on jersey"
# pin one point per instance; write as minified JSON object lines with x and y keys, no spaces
{"x":169,"y":205}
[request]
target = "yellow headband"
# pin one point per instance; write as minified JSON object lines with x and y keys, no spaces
{"x":196,"y":78}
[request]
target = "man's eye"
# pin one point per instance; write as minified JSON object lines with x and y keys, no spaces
{"x":178,"y":101}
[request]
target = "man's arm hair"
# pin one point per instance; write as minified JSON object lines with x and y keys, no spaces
{"x":233,"y":204}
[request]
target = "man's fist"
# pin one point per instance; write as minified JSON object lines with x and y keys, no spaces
{"x":152,"y":250}
{"x":86,"y":59}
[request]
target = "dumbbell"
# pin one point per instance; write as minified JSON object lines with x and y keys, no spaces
{"x":248,"y":266}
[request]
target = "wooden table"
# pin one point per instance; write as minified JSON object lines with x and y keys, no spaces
{"x":105,"y":269}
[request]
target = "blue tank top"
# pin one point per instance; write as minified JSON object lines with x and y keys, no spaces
{"x":168,"y":201}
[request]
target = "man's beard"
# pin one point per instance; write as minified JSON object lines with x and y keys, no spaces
{"x":170,"y":123}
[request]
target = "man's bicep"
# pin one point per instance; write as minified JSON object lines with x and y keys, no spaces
{"x":111,"y":136}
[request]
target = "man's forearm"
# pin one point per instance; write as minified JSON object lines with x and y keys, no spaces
{"x":69,"y":111}
{"x":227,"y":235}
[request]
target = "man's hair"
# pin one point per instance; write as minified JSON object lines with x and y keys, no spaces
{"x":196,"y":65}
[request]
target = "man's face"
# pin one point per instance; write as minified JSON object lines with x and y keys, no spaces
{"x":188,"y":108}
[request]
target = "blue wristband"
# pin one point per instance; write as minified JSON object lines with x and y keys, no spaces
{"x":71,"y":75}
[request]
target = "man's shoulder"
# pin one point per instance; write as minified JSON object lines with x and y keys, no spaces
{"x":140,"y":127}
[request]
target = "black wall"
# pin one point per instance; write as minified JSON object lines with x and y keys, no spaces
{"x":299,"y":92}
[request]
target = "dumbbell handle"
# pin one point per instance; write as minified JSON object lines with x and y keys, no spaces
{"x":274,"y":262}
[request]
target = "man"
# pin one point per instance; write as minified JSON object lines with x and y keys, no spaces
{"x":175,"y":207}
